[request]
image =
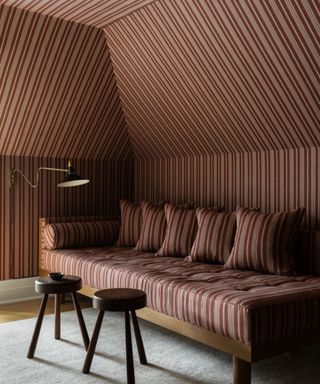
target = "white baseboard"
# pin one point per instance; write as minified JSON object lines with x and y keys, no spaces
{"x":17,"y":290}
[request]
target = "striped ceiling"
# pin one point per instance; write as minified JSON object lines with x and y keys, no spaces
{"x":97,"y":13}
{"x":194,"y":77}
{"x":219,"y":76}
{"x":58,"y":94}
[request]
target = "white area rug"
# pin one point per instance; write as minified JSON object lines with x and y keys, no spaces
{"x":172,"y":358}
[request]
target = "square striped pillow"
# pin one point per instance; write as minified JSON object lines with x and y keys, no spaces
{"x":153,"y":227}
{"x":180,"y":232}
{"x":215,"y":236}
{"x":264,"y":241}
{"x":131,"y":223}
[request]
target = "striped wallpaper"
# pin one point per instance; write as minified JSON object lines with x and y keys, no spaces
{"x":199,"y":77}
{"x":21,"y":207}
{"x":213,"y":101}
{"x":272,"y":180}
{"x":97,"y":13}
{"x":58,"y":94}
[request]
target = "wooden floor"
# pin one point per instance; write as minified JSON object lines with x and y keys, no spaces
{"x":28,"y":309}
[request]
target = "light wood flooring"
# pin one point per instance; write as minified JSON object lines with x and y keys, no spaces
{"x":28,"y":309}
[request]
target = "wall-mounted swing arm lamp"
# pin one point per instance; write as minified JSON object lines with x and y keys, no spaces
{"x":72,"y":179}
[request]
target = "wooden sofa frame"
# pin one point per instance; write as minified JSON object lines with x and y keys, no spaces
{"x":243,"y":354}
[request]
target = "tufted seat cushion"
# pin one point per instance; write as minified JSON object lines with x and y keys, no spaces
{"x":246,"y":306}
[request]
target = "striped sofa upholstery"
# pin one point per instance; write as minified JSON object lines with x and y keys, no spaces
{"x":264,"y":241}
{"x":153,"y":227}
{"x":131,"y":223}
{"x":215,"y":236}
{"x":247,"y":306}
{"x":180,"y":232}
{"x":80,"y":234}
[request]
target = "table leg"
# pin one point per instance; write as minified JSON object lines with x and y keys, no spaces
{"x":37,"y":328}
{"x":83,"y":328}
{"x":57,"y":311}
{"x":130,"y":368}
{"x":93,"y":343}
{"x":141,"y":351}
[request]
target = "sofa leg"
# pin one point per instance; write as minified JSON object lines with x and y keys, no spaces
{"x":241,"y":371}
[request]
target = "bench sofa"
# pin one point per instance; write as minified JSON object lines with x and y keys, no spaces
{"x":247,"y":314}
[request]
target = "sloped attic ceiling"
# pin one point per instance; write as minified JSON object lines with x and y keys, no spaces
{"x":57,"y":90}
{"x":199,"y":77}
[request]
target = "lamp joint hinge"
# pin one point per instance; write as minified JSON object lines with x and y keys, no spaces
{"x":12,"y":178}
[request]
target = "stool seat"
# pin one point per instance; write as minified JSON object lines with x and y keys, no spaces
{"x":67,"y":284}
{"x":119,"y":299}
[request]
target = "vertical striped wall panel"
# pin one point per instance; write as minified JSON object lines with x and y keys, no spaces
{"x":21,"y":206}
{"x":271,"y":180}
{"x":5,"y":222}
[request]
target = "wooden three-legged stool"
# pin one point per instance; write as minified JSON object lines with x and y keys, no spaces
{"x":45,"y":285}
{"x":118,"y":300}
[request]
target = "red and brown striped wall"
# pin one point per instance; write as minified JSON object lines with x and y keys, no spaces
{"x":271,"y":180}
{"x":22,"y":205}
{"x":215,"y":102}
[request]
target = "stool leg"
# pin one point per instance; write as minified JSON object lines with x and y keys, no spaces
{"x":93,"y":343}
{"x":37,"y":328}
{"x":57,"y":321}
{"x":130,"y":368}
{"x":63,"y":298}
{"x":142,"y":354}
{"x":81,"y":321}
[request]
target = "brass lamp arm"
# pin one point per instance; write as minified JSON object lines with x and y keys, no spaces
{"x":16,"y":170}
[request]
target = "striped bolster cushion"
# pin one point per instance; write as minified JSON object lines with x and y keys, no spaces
{"x":215,"y":236}
{"x":180,"y":232}
{"x":80,"y":234}
{"x":153,"y":227}
{"x":307,"y":252}
{"x":264,"y":242}
{"x":131,"y":222}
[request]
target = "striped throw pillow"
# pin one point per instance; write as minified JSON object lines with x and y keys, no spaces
{"x":80,"y":234}
{"x":153,"y":227}
{"x":215,"y":236}
{"x":264,"y":242}
{"x":131,"y":223}
{"x":180,"y":232}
